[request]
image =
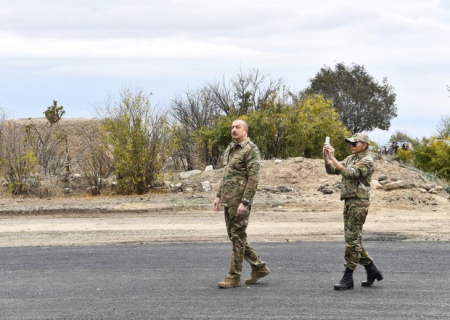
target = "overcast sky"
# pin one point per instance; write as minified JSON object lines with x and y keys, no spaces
{"x":79,"y":52}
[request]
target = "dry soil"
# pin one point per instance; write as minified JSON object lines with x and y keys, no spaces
{"x":287,"y":207}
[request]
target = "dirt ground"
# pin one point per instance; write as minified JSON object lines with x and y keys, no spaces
{"x":287,"y":207}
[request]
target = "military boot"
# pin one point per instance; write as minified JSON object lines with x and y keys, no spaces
{"x":229,"y":283}
{"x":346,"y":281}
{"x":258,"y":274}
{"x":372,"y":274}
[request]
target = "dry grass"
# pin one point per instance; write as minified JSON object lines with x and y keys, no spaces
{"x":72,"y":127}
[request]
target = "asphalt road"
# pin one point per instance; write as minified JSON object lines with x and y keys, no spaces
{"x":179,"y":281}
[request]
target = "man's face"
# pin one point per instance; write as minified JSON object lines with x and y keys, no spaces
{"x":238,"y":131}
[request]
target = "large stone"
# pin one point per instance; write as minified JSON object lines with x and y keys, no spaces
{"x":284,"y":189}
{"x":209,"y":168}
{"x":426,"y":186}
{"x":206,"y":186}
{"x":178,"y":187}
{"x":326,"y":189}
{"x":400,"y":184}
{"x":375,"y":184}
{"x":188,"y":174}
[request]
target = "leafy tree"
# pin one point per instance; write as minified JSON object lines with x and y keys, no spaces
{"x":282,"y":129}
{"x":363,"y":104}
{"x":267,"y":127}
{"x":398,"y":135}
{"x":216,"y":138}
{"x":310,"y":121}
{"x":432,"y":155}
{"x":54,"y":113}
{"x":406,"y":156}
{"x":200,"y":113}
{"x":137,"y":133}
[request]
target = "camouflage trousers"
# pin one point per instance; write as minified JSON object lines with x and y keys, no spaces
{"x":355,"y":213}
{"x":236,"y":228}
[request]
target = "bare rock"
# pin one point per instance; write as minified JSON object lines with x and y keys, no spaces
{"x":284,"y":189}
{"x":375,"y":184}
{"x":188,"y":174}
{"x":206,"y":186}
{"x":426,"y":186}
{"x":178,"y":187}
{"x":326,"y":189}
{"x":400,"y":184}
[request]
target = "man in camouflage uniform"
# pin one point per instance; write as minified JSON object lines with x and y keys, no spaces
{"x":236,"y":191}
{"x":356,"y":171}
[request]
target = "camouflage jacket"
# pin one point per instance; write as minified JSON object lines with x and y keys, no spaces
{"x":241,"y":173}
{"x":356,"y":175}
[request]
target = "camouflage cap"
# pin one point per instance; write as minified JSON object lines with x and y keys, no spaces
{"x":362,"y":137}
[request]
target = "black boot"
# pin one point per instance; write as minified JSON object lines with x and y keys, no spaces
{"x":372,"y":274}
{"x":346,"y":281}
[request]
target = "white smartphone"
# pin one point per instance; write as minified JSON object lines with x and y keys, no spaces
{"x":327,"y":140}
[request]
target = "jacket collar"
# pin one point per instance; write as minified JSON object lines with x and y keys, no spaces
{"x":362,"y":154}
{"x":241,"y":144}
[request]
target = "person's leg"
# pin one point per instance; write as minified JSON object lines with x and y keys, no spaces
{"x":236,"y":229}
{"x":238,"y":237}
{"x":365,"y":259}
{"x":250,"y":255}
{"x":347,"y":280}
{"x":259,"y":268}
{"x":355,"y":214}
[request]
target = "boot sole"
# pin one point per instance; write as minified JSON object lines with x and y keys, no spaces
{"x":228,"y":287}
{"x":248,"y":281}
{"x":366,"y":284}
{"x":343,"y":288}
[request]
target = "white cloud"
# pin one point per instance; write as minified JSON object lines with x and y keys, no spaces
{"x":174,"y":44}
{"x":17,"y":47}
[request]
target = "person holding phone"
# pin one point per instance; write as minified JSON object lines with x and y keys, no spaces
{"x":356,"y":171}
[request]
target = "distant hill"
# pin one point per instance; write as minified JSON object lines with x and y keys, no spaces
{"x":72,"y":127}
